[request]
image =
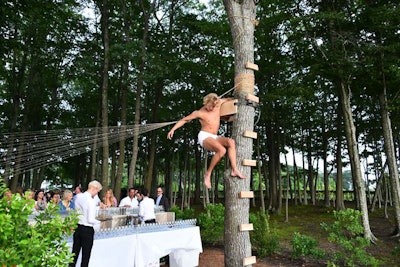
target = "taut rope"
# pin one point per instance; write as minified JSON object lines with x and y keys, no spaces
{"x":39,"y":148}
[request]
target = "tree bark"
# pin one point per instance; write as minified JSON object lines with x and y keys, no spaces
{"x":391,"y":158}
{"x":104,"y":93}
{"x":339,"y":164}
{"x":351,"y":139}
{"x":140,"y":83}
{"x":241,"y":15}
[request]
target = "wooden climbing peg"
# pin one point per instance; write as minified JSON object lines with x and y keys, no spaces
{"x":246,"y":227}
{"x":251,"y":66}
{"x":250,"y":134}
{"x":249,"y":260}
{"x":246,"y":194}
{"x":249,"y":162}
{"x":252,"y":98}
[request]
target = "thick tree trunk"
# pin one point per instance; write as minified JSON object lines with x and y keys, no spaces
{"x":350,"y":131}
{"x":241,"y":16}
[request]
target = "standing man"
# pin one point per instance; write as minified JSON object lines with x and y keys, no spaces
{"x":146,"y":207}
{"x":130,"y":200}
{"x":162,"y":200}
{"x":85,"y":206}
{"x":209,"y":117}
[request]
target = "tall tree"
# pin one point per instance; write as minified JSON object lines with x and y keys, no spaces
{"x":104,"y":9}
{"x":242,"y":19}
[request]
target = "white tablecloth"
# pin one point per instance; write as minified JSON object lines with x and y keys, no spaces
{"x":145,"y":249}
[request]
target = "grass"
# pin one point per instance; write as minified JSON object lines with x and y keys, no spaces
{"x":307,"y":221}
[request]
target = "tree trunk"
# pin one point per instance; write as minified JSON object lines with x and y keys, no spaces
{"x":350,"y":131}
{"x":241,"y":16}
{"x":310,"y":168}
{"x":140,"y":83}
{"x":339,"y":164}
{"x":391,"y":157}
{"x":124,"y":104}
{"x":104,"y":93}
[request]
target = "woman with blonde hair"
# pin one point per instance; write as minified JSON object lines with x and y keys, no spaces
{"x":66,"y":204}
{"x":109,"y":199}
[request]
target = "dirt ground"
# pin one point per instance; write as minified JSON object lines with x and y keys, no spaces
{"x":214,"y":257}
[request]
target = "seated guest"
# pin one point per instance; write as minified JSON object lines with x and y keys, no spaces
{"x":55,"y":198}
{"x":66,"y":204}
{"x":146,"y":207}
{"x":162,"y":200}
{"x":109,"y":199}
{"x":130,"y":201}
{"x":40,"y":202}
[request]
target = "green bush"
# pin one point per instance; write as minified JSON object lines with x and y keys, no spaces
{"x":347,"y":233}
{"x":40,"y":244}
{"x":182,"y":214}
{"x":263,"y":239}
{"x":212,"y":223}
{"x":304,"y":245}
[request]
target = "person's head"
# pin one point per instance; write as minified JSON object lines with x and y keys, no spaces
{"x":56,"y":198}
{"x":144,"y":192}
{"x":210,"y":101}
{"x":94,"y":188}
{"x":77,"y":189}
{"x":67,"y":195}
{"x":39,"y":195}
{"x":109,"y":193}
{"x":131,"y":192}
{"x":30,"y":194}
{"x":159,"y":191}
{"x":7,"y":195}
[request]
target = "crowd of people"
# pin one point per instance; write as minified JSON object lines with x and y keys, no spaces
{"x":87,"y":203}
{"x":65,"y":199}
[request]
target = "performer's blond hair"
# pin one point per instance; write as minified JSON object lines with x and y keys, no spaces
{"x":211,"y":97}
{"x":95,"y":184}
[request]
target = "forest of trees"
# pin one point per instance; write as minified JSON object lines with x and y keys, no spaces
{"x":328,"y":85}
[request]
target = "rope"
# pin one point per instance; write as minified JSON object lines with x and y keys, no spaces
{"x":39,"y":148}
{"x":220,"y":96}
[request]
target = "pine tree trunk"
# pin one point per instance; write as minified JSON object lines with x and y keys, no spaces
{"x":241,"y":16}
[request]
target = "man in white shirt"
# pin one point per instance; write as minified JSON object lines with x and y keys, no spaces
{"x":85,"y":206}
{"x":146,"y":207}
{"x":130,"y":201}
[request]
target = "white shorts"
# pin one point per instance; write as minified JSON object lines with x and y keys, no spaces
{"x":204,"y":135}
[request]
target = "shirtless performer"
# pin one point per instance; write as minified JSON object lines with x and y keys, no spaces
{"x":209,"y":117}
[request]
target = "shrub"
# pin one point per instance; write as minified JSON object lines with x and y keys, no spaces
{"x":347,"y":233}
{"x":263,"y":239}
{"x":182,"y":214}
{"x":41,"y":244}
{"x":304,"y":245}
{"x":211,"y":223}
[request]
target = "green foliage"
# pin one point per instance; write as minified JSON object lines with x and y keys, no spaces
{"x":212,"y":223}
{"x":41,"y":243}
{"x":263,"y":239}
{"x":347,"y":233}
{"x":182,"y":214}
{"x":304,"y":245}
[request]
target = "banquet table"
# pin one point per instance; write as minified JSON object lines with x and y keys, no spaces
{"x":144,"y":249}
